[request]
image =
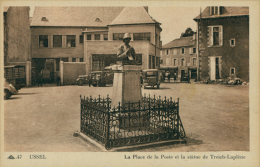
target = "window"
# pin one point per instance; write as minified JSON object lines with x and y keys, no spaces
{"x":167,"y":52}
{"x":97,"y":20}
{"x":97,"y":36}
{"x":194,"y":62}
{"x":80,"y":59}
{"x":232,"y":42}
{"x":175,"y":62}
{"x":81,"y":39}
{"x":89,"y":37}
{"x":105,"y":37}
{"x":44,"y":19}
{"x":71,"y":41}
{"x":216,"y":10}
{"x":232,"y":71}
{"x":182,"y":62}
{"x":142,"y":36}
{"x":57,"y":41}
{"x":118,"y":36}
{"x":182,"y":50}
{"x":194,"y":50}
{"x":73,"y":59}
{"x":215,"y":36}
{"x":43,"y":41}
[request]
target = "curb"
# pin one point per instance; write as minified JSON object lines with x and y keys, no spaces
{"x":129,"y":148}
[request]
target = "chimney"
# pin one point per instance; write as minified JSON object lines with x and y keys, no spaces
{"x":146,"y":8}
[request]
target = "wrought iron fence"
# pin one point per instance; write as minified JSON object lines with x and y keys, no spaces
{"x":152,"y":120}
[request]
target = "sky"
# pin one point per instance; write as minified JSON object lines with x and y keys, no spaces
{"x":174,"y":20}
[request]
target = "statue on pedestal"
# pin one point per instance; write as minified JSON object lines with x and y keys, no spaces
{"x":126,"y":53}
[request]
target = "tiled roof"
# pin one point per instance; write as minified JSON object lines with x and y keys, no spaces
{"x":75,"y":16}
{"x":133,"y":15}
{"x":183,"y":41}
{"x":227,"y":12}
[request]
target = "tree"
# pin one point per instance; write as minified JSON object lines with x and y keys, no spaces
{"x":188,"y":32}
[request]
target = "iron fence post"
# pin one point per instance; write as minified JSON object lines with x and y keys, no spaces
{"x":107,"y":146}
{"x":178,"y":120}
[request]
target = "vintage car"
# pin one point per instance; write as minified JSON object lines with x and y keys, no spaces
{"x":151,"y":78}
{"x":98,"y":78}
{"x":9,"y":90}
{"x":14,"y":80}
{"x":83,"y":79}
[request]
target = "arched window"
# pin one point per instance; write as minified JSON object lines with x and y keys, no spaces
{"x":44,"y":19}
{"x":97,"y":20}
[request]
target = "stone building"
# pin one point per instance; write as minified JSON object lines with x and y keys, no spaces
{"x":180,"y":56}
{"x":17,"y":38}
{"x":92,"y":35}
{"x":223,"y":42}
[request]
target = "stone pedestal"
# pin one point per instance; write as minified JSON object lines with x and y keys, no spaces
{"x":126,"y":85}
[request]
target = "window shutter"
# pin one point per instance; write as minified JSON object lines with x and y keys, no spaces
{"x":220,"y":35}
{"x":210,"y":36}
{"x":190,"y":50}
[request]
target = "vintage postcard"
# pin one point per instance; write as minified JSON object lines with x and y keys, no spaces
{"x":113,"y":83}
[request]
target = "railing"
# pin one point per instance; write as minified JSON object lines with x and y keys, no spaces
{"x":152,"y":120}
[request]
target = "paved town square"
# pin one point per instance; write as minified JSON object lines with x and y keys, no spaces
{"x":43,"y":119}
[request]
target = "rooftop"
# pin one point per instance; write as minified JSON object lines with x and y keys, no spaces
{"x":74,"y":16}
{"x":180,"y":42}
{"x":133,"y":15}
{"x":226,"y":12}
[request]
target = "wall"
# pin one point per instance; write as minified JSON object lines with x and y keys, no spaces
{"x":237,"y":56}
{"x":135,"y":29}
{"x":71,"y":71}
{"x":111,"y":47}
{"x":18,"y":35}
{"x":50,"y":52}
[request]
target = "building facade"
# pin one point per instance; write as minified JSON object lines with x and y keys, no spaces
{"x":17,"y":38}
{"x":92,"y":35}
{"x":223,"y":34}
{"x":180,"y":56}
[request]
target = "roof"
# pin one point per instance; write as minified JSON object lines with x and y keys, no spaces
{"x":227,"y":12}
{"x":133,"y":15}
{"x":75,"y":16}
{"x":180,"y":42}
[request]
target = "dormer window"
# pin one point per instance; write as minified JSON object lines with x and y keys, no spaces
{"x":215,"y":10}
{"x":44,"y":19}
{"x":97,"y":20}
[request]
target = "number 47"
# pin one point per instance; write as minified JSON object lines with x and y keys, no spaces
{"x":19,"y":157}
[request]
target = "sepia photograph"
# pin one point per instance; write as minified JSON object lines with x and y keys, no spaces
{"x":131,"y":81}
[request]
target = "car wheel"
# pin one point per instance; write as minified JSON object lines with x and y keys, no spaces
{"x":7,"y":94}
{"x":80,"y":82}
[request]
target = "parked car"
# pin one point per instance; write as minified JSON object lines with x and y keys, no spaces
{"x":9,"y":90}
{"x":185,"y":77}
{"x":98,"y":78}
{"x":151,"y":78}
{"x":83,"y":79}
